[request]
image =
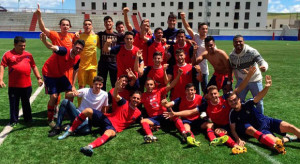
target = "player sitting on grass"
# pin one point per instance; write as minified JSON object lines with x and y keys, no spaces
{"x":152,"y":103}
{"x":125,"y":114}
{"x":246,"y":119}
{"x":94,"y":98}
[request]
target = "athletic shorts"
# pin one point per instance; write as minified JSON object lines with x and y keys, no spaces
{"x":219,"y":80}
{"x":157,"y":119}
{"x":194,"y":123}
{"x":100,"y":120}
{"x":85,"y":77}
{"x":57,"y":85}
{"x":225,"y":127}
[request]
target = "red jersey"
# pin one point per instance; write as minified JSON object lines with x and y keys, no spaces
{"x":58,"y":39}
{"x":185,"y":104}
{"x":154,"y":46}
{"x":19,"y":68}
{"x":140,"y":43}
{"x":157,"y":75}
{"x":57,"y":65}
{"x":188,"y":51}
{"x":124,"y":94}
{"x":219,"y":114}
{"x":185,"y":78}
{"x":152,"y":102}
{"x":124,"y":115}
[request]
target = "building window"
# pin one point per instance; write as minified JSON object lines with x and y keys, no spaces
{"x":257,"y":24}
{"x":247,"y":15}
{"x":199,"y":14}
{"x":93,"y":5}
{"x":208,"y":14}
{"x":218,"y":3}
{"x":144,"y":14}
{"x":227,"y":3}
{"x":191,"y":5}
{"x":191,"y":15}
{"x":171,"y":3}
{"x":218,"y":14}
{"x":171,"y":13}
{"x":247,"y":5}
{"x":281,"y":25}
{"x":246,"y":25}
{"x":227,"y":14}
{"x":208,"y":24}
{"x":162,"y":14}
{"x":162,"y":3}
{"x":94,"y":13}
{"x":152,"y":15}
{"x":104,"y":13}
{"x":180,"y":5}
{"x":217,"y":24}
{"x":178,"y":15}
{"x":226,"y":24}
{"x":134,"y":6}
{"x":152,"y":25}
{"x":200,"y":3}
{"x":191,"y":24}
{"x":104,"y":6}
{"x":236,"y":16}
{"x":258,"y":14}
{"x":179,"y":25}
{"x":134,"y":13}
{"x":124,"y":5}
{"x":82,"y":4}
{"x":115,"y":13}
{"x":152,"y":4}
{"x":115,"y":4}
{"x":144,"y":5}
{"x":237,"y":5}
{"x":208,"y":3}
{"x":236,"y":25}
{"x":270,"y":25}
{"x":162,"y":24}
{"x":259,"y":4}
{"x":82,"y":12}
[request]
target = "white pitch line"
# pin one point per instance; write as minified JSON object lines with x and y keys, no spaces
{"x":7,"y":129}
{"x":268,"y":157}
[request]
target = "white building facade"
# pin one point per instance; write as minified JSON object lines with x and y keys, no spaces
{"x":218,"y":14}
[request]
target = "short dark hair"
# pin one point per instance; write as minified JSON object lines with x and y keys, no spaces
{"x":123,"y":76}
{"x":179,"y":51}
{"x":119,"y":23}
{"x":136,"y":92}
{"x":98,"y":78}
{"x":189,"y":85}
{"x":18,"y":39}
{"x":79,"y":41}
{"x":107,"y":18}
{"x":157,"y":53}
{"x":237,"y":36}
{"x":202,"y":24}
{"x":87,"y":20}
{"x":158,"y":28}
{"x":65,"y":19}
{"x":128,"y":33}
{"x":208,"y":39}
{"x":172,"y":16}
{"x":180,"y":31}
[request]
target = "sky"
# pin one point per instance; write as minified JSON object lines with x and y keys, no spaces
{"x":278,"y":6}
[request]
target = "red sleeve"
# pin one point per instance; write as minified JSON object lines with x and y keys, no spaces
{"x":32,"y":62}
{"x":4,"y":60}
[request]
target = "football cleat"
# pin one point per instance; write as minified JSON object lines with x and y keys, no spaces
{"x":192,"y":141}
{"x":219,"y":140}
{"x":279,"y":146}
{"x":238,"y":150}
{"x":51,"y":124}
{"x":53,"y":132}
{"x":291,"y":138}
{"x":150,"y":138}
{"x":65,"y":135}
{"x":87,"y":150}
{"x":185,"y":135}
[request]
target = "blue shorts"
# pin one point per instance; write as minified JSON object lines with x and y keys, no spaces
{"x":100,"y":120}
{"x":157,"y":119}
{"x":194,"y":123}
{"x":270,"y":126}
{"x":56,"y":85}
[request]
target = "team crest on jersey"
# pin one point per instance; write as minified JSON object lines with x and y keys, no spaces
{"x":223,"y":106}
{"x":95,"y":41}
{"x":133,"y":118}
{"x":187,"y":73}
{"x":247,"y":111}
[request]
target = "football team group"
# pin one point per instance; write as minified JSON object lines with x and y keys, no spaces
{"x":143,"y":67}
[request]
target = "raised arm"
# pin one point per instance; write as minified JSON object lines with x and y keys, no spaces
{"x":245,"y":81}
{"x":131,"y":76}
{"x":2,"y":84}
{"x":107,"y":44}
{"x":116,"y":95}
{"x":199,"y":58}
{"x":186,"y":25}
{"x":139,"y":67}
{"x":48,"y":44}
{"x":175,"y":81}
{"x":41,"y":22}
{"x":166,"y":77}
{"x":262,"y":93}
{"x":37,"y":75}
{"x":126,"y":19}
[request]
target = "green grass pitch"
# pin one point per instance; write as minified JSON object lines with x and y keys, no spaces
{"x":30,"y":144}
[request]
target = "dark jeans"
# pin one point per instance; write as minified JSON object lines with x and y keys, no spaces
{"x":203,"y":84}
{"x":104,"y":68}
{"x":15,"y":94}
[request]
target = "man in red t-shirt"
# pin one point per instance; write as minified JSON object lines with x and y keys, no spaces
{"x":126,"y":114}
{"x":19,"y":63}
{"x":55,"y":67}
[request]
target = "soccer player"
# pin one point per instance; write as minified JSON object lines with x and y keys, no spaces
{"x":94,"y":98}
{"x":151,"y":100}
{"x":120,"y":27}
{"x":199,"y":39}
{"x":54,"y":69}
{"x":107,"y":62}
{"x":218,"y":58}
{"x":241,"y":58}
{"x":19,"y":63}
{"x":125,"y":114}
{"x":246,"y":119}
{"x":190,"y":101}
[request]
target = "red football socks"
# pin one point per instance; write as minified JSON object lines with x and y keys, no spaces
{"x":78,"y":120}
{"x":50,"y":113}
{"x":179,"y":125}
{"x":147,"y":128}
{"x":99,"y":141}
{"x":230,"y":142}
{"x":264,"y":139}
{"x":210,"y":134}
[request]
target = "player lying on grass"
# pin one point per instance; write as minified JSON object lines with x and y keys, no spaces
{"x":125,"y":114}
{"x":217,"y":109}
{"x":94,"y":98}
{"x":151,"y":100}
{"x":246,"y":119}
